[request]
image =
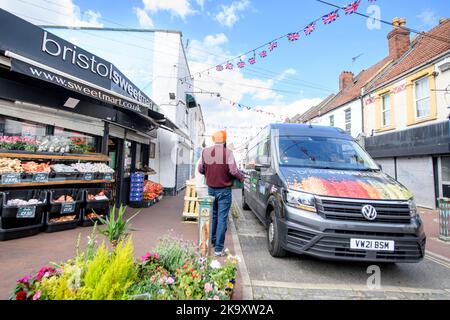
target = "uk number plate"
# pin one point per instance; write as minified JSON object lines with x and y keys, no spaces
{"x":372,"y":245}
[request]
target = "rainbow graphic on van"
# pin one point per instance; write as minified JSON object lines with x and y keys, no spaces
{"x":346,"y":184}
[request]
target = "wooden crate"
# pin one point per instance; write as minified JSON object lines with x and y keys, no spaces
{"x":191,"y":206}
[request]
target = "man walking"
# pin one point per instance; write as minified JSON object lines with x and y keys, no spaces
{"x":219,"y":167}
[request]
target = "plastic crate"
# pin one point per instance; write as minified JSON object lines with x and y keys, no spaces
{"x":97,"y":204}
{"x":20,"y":232}
{"x":61,"y":226}
{"x":142,"y":204}
{"x":66,"y":208}
{"x":87,"y":222}
{"x":9,"y":214}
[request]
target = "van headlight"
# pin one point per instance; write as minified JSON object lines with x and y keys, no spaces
{"x":300,"y":200}
{"x":412,"y":208}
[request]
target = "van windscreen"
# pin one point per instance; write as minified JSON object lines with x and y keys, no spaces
{"x":323,"y":152}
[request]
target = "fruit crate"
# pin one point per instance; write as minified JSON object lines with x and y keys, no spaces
{"x":89,"y":222}
{"x":22,"y":221}
{"x":63,"y":209}
{"x":97,"y":204}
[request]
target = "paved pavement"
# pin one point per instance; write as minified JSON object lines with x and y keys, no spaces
{"x":302,"y":277}
{"x":20,"y":257}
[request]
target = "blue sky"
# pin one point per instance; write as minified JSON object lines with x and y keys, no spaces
{"x":293,"y":78}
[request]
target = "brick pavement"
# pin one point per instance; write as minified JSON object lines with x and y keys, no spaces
{"x":431,"y":224}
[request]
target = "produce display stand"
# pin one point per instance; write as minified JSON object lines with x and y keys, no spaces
{"x":22,"y":221}
{"x":98,"y":207}
{"x":63,"y":209}
{"x":12,"y":227}
{"x":191,"y":205}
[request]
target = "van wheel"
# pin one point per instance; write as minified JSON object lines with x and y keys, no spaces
{"x":273,"y":237}
{"x":244,"y":204}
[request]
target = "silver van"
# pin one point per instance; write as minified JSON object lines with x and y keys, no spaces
{"x":319,"y":193}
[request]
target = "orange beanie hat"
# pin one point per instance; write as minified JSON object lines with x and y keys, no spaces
{"x":219,"y":137}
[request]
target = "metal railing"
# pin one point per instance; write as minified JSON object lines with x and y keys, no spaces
{"x":444,"y":219}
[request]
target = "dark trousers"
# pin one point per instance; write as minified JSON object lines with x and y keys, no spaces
{"x":221,"y":209}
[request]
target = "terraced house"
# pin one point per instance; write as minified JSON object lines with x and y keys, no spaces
{"x":406,"y":112}
{"x":398,"y":109}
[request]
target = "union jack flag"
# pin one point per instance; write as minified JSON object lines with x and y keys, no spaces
{"x":331,"y":17}
{"x":310,"y":28}
{"x":229,"y":66}
{"x":241,"y":64}
{"x":293,"y":36}
{"x":252,"y":60}
{"x":219,"y":68}
{"x":263,"y":54}
{"x":273,"y":45}
{"x":352,"y":7}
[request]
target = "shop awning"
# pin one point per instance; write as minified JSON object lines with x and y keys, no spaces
{"x":190,"y":101}
{"x":166,"y":124}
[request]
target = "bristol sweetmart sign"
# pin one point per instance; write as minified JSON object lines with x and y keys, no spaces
{"x":40,"y":54}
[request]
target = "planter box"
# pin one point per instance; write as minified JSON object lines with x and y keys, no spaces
{"x":66,"y":208}
{"x":22,"y":216}
{"x":61,"y":226}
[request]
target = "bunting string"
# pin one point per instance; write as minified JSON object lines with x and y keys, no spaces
{"x":271,"y":46}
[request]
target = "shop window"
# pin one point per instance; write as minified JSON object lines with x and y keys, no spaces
{"x":386,"y":109}
{"x":152,"y":152}
{"x":138,"y":162}
{"x":348,"y":121}
{"x":17,"y":134}
{"x":422,"y":98}
{"x":332,"y":121}
{"x":82,"y":141}
{"x":128,"y":159}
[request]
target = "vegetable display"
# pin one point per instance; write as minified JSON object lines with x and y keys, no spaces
{"x":20,"y":202}
{"x":99,"y":196}
{"x":62,"y":168}
{"x":92,"y":167}
{"x":54,"y":144}
{"x":63,"y":219}
{"x":31,"y":167}
{"x":10,"y":165}
{"x":63,"y":199}
{"x":152,"y":190}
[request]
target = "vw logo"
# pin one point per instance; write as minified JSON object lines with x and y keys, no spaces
{"x":369,"y":212}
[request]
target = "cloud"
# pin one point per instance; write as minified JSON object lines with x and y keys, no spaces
{"x":181,"y":8}
{"x":237,"y":86}
{"x":144,"y":20}
{"x":231,"y":14}
{"x":428,"y":18}
{"x":201,"y":3}
{"x":62,"y":13}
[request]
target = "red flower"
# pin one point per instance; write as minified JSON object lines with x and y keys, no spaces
{"x":21,"y":295}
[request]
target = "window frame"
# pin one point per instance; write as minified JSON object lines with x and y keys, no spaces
{"x":416,"y":99}
{"x":331,"y":119}
{"x":385,"y":110}
{"x":348,"y":123}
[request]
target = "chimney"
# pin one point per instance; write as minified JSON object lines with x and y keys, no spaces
{"x":345,"y":80}
{"x":398,"y":39}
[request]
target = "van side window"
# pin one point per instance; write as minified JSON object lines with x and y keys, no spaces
{"x":264,"y":152}
{"x":252,"y":157}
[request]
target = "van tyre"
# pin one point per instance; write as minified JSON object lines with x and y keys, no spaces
{"x":244,"y":204}
{"x":274,"y":237}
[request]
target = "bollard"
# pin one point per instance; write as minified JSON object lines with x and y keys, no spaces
{"x":204,"y":225}
{"x":444,"y":219}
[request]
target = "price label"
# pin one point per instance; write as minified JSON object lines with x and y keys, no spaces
{"x":88,"y":176}
{"x":26,"y":212}
{"x":40,"y":177}
{"x":67,"y":207}
{"x":11,"y":178}
{"x":108,"y":176}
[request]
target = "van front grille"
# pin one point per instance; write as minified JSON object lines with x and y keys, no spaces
{"x":347,"y":210}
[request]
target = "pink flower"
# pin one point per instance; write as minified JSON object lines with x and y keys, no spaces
{"x":156,"y":256}
{"x":170,"y":281}
{"x":216,"y":298}
{"x":208,"y":287}
{"x":146,"y":256}
{"x":25,"y":279}
{"x":37,"y":296}
{"x":45,"y":272}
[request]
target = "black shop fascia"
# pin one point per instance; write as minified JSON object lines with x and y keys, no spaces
{"x":46,"y":80}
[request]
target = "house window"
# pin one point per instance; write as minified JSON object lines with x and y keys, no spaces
{"x":332,"y":121}
{"x":422,"y":97}
{"x":386,"y":109}
{"x":348,"y":121}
